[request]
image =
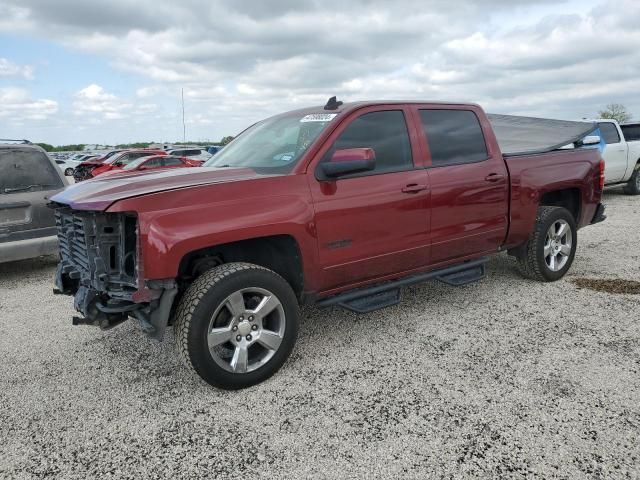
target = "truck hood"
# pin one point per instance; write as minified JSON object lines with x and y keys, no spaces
{"x":101,"y":192}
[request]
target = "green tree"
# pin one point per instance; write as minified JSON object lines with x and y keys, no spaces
{"x":46,"y":147}
{"x":615,"y":111}
{"x":69,"y":148}
{"x":226,"y":140}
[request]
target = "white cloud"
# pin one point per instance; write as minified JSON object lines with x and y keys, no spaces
{"x":10,"y":69}
{"x":18,"y":106}
{"x":241,"y":61}
{"x":94,"y":100}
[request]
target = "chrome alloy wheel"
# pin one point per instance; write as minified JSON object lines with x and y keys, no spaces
{"x":557,"y":245}
{"x":246,"y":330}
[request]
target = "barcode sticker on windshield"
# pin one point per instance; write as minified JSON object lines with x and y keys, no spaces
{"x":319,"y":117}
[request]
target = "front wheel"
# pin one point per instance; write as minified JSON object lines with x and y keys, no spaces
{"x":68,"y":172}
{"x":549,"y":252}
{"x":236,"y":325}
{"x":632,"y":187}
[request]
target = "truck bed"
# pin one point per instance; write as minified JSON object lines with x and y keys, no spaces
{"x":529,"y":135}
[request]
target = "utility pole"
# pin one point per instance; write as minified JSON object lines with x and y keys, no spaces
{"x":184,"y":125}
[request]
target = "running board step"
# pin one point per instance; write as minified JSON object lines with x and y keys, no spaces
{"x":464,"y":277}
{"x":368,"y":299}
{"x":372,"y":303}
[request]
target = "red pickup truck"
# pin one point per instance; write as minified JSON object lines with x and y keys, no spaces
{"x":335,"y":205}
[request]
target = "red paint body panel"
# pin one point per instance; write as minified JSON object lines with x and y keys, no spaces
{"x":534,"y":175}
{"x":350,"y":231}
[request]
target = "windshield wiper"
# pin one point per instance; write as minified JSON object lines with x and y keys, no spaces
{"x":25,"y":187}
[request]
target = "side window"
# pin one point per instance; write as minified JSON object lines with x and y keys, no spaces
{"x":631,"y":132}
{"x":386,"y":133}
{"x":152,"y":163}
{"x":609,"y":132}
{"x":172,"y":162}
{"x":193,"y":152}
{"x":454,"y":136}
{"x":179,"y":153}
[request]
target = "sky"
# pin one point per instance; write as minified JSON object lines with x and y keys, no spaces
{"x":112,"y":71}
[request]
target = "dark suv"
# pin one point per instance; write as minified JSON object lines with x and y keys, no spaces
{"x":28,"y":177}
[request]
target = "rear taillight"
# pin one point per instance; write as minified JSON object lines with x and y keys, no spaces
{"x":601,"y":179}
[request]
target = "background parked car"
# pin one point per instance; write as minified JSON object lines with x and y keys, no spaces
{"x":192,"y":153}
{"x":83,"y":171}
{"x":621,"y":156}
{"x":67,"y":166}
{"x":213,"y":149}
{"x":155,"y":162}
{"x":122,"y":159}
{"x":28,"y":177}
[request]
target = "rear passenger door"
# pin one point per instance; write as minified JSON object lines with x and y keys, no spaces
{"x":374,"y":223}
{"x":469,"y":185}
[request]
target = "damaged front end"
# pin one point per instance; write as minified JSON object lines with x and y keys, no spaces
{"x":100,"y":266}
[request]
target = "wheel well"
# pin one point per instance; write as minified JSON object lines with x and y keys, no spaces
{"x":279,"y":253}
{"x":568,"y":198}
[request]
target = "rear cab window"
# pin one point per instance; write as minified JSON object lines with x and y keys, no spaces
{"x":454,"y":136}
{"x":25,"y":170}
{"x":631,"y":132}
{"x":609,"y":132}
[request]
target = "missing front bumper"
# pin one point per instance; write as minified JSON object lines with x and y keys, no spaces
{"x":101,"y":310}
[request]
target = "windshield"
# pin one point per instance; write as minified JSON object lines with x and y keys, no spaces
{"x":275,"y":144}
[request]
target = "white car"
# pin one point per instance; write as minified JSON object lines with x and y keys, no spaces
{"x":68,"y":166}
{"x":621,"y":157}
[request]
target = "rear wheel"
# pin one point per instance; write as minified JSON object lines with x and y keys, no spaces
{"x":549,"y":252}
{"x":236,"y":325}
{"x":68,"y":172}
{"x":632,"y":187}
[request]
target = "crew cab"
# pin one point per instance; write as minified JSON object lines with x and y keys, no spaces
{"x":621,"y":156}
{"x":336,"y":205}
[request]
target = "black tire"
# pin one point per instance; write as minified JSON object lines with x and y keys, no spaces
{"x":68,"y":172}
{"x":532,"y":262}
{"x":205,"y":297}
{"x":632,"y":187}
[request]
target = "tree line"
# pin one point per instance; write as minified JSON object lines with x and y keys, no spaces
{"x":75,"y":147}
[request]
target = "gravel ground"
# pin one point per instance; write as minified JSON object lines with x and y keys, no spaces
{"x":502,"y":378}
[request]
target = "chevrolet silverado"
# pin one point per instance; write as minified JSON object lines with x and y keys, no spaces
{"x":336,"y":205}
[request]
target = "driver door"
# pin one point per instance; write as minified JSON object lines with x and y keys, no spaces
{"x":374,"y":223}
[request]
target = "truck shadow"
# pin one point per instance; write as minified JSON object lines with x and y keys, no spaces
{"x":322,"y":330}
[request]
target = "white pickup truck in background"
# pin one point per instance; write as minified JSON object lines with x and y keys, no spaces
{"x":621,"y":155}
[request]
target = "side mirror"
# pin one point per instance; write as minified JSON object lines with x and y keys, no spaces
{"x":591,"y":140}
{"x":350,"y":160}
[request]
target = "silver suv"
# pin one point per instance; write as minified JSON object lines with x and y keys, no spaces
{"x":28,"y":177}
